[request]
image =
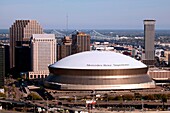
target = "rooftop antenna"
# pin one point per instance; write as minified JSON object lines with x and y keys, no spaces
{"x":67,"y":24}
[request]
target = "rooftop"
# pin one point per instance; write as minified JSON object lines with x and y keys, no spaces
{"x":98,"y":60}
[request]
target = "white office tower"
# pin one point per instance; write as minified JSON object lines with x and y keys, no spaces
{"x":43,"y":50}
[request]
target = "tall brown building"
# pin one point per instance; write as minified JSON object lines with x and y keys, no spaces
{"x":64,"y":49}
{"x":149,"y":37}
{"x":80,"y":42}
{"x":67,"y":40}
{"x":20,"y":34}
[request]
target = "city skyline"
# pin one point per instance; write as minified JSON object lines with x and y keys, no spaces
{"x":96,"y":14}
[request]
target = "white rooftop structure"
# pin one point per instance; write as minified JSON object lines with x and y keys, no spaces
{"x":42,"y":36}
{"x":98,"y":60}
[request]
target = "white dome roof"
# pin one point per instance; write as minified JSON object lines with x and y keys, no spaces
{"x":98,"y":60}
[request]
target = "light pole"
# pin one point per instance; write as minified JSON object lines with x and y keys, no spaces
{"x":162,"y":98}
{"x":75,"y":99}
{"x":142,"y":104}
{"x":46,"y":95}
{"x":34,"y":107}
{"x":47,"y":104}
{"x":122,"y":100}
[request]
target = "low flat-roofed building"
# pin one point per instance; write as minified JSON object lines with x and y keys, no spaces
{"x":159,"y":74}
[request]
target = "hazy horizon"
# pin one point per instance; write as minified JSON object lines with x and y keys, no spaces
{"x":86,"y":14}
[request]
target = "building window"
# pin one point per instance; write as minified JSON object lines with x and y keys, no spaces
{"x":34,"y":76}
{"x":31,"y":76}
{"x":42,"y":76}
{"x":38,"y":76}
{"x":45,"y":76}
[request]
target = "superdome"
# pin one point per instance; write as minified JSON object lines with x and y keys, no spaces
{"x":98,"y":70}
{"x":98,"y":60}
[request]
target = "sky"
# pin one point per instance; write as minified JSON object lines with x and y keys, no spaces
{"x":86,"y":14}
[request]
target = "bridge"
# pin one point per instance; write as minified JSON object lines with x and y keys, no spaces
{"x":98,"y":36}
{"x":57,"y":34}
{"x":93,"y":33}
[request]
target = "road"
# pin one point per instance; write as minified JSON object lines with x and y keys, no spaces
{"x":5,"y":111}
{"x":97,"y":111}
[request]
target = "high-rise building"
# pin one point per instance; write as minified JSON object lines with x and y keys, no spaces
{"x":22,"y":59}
{"x":149,"y":37}
{"x":43,"y":52}
{"x":2,"y":65}
{"x":20,"y":34}
{"x":5,"y":47}
{"x":80,"y":42}
{"x":64,"y":49}
{"x":67,"y":40}
{"x":167,"y":57}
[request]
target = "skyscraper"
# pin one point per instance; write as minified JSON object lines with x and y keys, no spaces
{"x":80,"y":42}
{"x":20,"y":34}
{"x":43,"y":52}
{"x":22,"y":59}
{"x":6,"y":49}
{"x":2,"y":65}
{"x":149,"y":37}
{"x":64,"y":49}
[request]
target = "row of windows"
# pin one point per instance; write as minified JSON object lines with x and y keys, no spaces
{"x":40,"y":40}
{"x":39,"y":76}
{"x":159,"y":74}
{"x":99,"y":81}
{"x":98,"y":72}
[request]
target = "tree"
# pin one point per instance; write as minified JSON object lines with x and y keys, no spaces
{"x":2,"y":95}
{"x":128,"y":97}
{"x":118,"y":98}
{"x":106,"y":97}
{"x":164,"y":99}
{"x":149,"y":97}
{"x":34,"y":96}
{"x":137,"y":96}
